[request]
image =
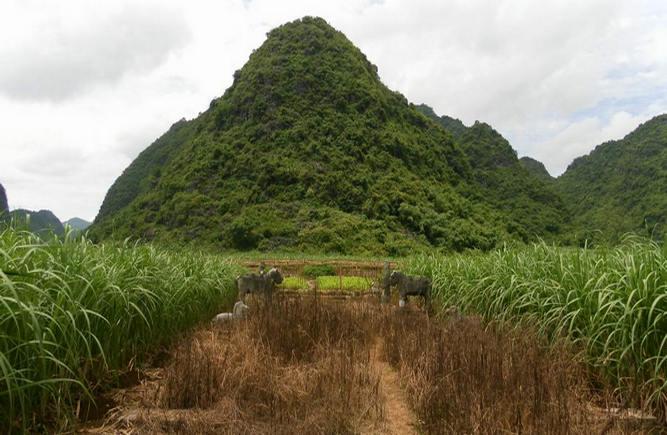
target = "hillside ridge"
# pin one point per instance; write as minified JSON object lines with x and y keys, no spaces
{"x":619,"y":187}
{"x":536,"y":168}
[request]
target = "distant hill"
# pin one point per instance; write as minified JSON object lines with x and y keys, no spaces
{"x":536,"y":168}
{"x":533,"y":206}
{"x":308,"y":150}
{"x":77,"y":223}
{"x":4,"y":206}
{"x":42,"y":222}
{"x":621,"y":186}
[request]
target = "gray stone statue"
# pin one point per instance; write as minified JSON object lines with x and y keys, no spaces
{"x":411,"y":286}
{"x":239,"y":312}
{"x":263,"y":283}
{"x":386,"y":286}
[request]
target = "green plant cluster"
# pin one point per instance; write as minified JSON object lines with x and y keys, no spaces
{"x":343,"y":283}
{"x":315,"y":270}
{"x":309,"y":151}
{"x":612,"y":302}
{"x":74,"y":314}
{"x":620,"y":187}
{"x":532,"y":207}
{"x":294,"y":283}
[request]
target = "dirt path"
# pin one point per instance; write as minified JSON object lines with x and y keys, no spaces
{"x":399,"y":418}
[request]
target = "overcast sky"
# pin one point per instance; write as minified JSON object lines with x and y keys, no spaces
{"x":87,"y":85}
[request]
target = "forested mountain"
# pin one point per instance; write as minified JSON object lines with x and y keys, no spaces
{"x":77,"y":224}
{"x":532,"y":205}
{"x":309,"y":150}
{"x":42,"y":222}
{"x":536,"y":168}
{"x":4,"y":206}
{"x":621,"y":186}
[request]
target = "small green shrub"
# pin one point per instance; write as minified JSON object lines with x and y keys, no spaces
{"x":315,"y":270}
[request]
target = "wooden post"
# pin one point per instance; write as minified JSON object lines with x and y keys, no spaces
{"x":386,"y":290}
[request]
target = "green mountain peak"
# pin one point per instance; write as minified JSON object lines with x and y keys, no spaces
{"x":42,"y":222}
{"x":536,"y":168}
{"x":308,"y":150}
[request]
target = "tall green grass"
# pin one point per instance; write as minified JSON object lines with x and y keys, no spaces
{"x":613,"y":302}
{"x":72,"y":314}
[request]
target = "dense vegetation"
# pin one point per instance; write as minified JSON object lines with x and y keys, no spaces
{"x":4,"y":206}
{"x":73,"y":313}
{"x":536,"y":168}
{"x":620,"y":186}
{"x":315,"y":270}
{"x":308,"y":150}
{"x":43,"y":223}
{"x":613,"y":302}
{"x":531,"y":205}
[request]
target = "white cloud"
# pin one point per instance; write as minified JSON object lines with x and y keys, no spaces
{"x":578,"y":138}
{"x":85,"y":86}
{"x":58,"y":52}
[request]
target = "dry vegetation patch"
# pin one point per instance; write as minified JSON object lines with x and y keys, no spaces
{"x":293,"y":367}
{"x":314,"y":366}
{"x":464,"y":377}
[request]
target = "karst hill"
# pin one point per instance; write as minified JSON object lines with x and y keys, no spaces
{"x":308,"y":150}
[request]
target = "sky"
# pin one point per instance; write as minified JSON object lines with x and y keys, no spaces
{"x":86,"y":86}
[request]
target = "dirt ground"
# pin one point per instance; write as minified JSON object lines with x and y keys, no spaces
{"x":398,"y":417}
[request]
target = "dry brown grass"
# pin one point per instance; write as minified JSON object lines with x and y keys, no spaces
{"x":307,"y":366}
{"x":293,"y":367}
{"x":467,"y":378}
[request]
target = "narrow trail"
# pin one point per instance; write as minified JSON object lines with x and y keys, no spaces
{"x":399,"y":418}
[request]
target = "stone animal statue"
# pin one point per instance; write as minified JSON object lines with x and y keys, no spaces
{"x":263,"y":284}
{"x":239,"y":312}
{"x":411,"y":286}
